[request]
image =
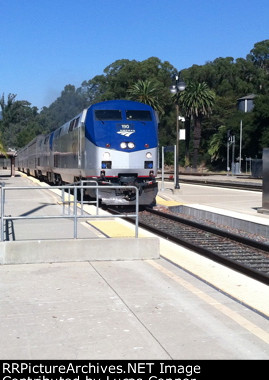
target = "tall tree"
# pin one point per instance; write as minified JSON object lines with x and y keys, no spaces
{"x":197,"y":100}
{"x":259,"y":55}
{"x":146,"y":92}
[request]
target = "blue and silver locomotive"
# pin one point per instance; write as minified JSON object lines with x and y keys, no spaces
{"x":112,"y":143}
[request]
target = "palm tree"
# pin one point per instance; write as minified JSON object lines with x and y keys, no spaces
{"x":197,"y":101}
{"x":147,"y":92}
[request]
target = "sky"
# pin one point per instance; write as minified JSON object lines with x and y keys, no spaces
{"x":47,"y":44}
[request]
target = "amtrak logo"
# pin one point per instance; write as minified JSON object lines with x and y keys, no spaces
{"x":125,"y":130}
{"x":126,"y":133}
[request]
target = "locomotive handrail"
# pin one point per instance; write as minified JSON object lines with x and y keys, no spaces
{"x":73,"y":216}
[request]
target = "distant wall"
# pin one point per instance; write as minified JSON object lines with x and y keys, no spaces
{"x":256,"y":168}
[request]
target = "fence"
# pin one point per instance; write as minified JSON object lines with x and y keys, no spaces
{"x":69,"y":200}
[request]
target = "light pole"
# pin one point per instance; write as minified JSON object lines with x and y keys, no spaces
{"x":175,"y":89}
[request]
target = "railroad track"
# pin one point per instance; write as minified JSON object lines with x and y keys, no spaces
{"x":237,"y":252}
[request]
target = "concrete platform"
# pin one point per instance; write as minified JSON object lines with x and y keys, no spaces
{"x":122,"y":310}
{"x":53,"y":251}
{"x":237,"y":208}
{"x":246,"y":203}
{"x":180,"y":306}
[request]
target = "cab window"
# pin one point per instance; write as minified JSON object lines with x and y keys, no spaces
{"x":108,"y":115}
{"x":138,"y":115}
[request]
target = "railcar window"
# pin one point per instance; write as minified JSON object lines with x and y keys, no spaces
{"x":108,"y":115}
{"x":71,"y":125}
{"x":76,"y":122}
{"x":57,"y":132}
{"x":138,"y":115}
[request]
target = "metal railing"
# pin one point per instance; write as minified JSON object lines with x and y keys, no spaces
{"x":71,"y":215}
{"x":82,"y":200}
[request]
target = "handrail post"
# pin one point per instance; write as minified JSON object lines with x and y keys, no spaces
{"x":2,"y":209}
{"x":81,"y":197}
{"x":63,"y":193}
{"x":75,"y":213}
{"x":136,"y":212}
{"x":69,"y":209}
{"x":97,"y":200}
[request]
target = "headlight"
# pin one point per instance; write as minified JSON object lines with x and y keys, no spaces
{"x":131,"y":145}
{"x":106,"y":156}
{"x":123,"y":145}
{"x":148,"y":155}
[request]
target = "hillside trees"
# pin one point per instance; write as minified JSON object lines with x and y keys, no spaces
{"x":71,"y":102}
{"x":19,"y":122}
{"x":122,"y":74}
{"x":232,"y":79}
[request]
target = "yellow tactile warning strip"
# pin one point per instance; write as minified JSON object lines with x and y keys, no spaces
{"x":163,"y":202}
{"x":113,"y":228}
{"x":243,"y":322}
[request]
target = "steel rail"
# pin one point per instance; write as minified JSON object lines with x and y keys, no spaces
{"x":240,"y":239}
{"x":209,"y":253}
{"x":242,"y":268}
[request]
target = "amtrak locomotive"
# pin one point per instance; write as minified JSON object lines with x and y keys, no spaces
{"x":111,"y":143}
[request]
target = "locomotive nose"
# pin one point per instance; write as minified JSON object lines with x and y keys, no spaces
{"x":127,"y":180}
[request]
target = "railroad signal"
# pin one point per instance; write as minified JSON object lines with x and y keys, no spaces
{"x":230,"y":141}
{"x":230,"y":137}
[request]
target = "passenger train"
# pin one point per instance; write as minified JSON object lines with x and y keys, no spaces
{"x":110,"y":143}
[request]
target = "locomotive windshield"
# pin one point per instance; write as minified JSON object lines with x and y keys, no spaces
{"x":138,"y":115}
{"x":108,"y":115}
